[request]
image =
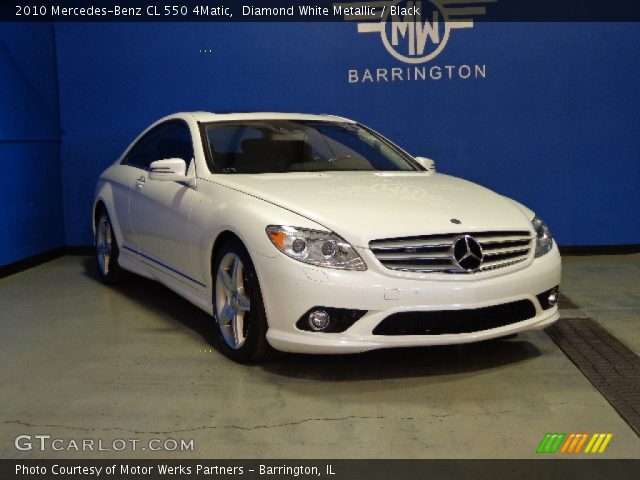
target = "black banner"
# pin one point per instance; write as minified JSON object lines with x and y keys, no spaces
{"x":313,"y":469}
{"x":316,"y":10}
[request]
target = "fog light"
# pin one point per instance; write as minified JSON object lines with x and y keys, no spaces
{"x":549,"y":298}
{"x":553,"y":297}
{"x":318,"y":320}
{"x":328,"y":319}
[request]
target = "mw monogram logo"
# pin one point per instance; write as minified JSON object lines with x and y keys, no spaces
{"x":417,"y":31}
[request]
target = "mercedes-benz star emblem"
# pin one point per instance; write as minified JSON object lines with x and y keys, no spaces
{"x":467,"y":253}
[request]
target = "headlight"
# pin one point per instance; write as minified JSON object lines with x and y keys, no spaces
{"x":544,"y":240}
{"x":325,"y":249}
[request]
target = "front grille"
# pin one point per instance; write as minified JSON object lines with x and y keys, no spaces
{"x":456,"y":321}
{"x":434,"y":253}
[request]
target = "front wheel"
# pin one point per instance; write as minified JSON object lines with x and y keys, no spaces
{"x":107,"y":252}
{"x":240,"y":319}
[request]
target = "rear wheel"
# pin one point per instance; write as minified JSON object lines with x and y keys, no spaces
{"x":240,"y":319}
{"x":107,"y":252}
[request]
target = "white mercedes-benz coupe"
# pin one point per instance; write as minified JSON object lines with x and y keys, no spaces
{"x":313,"y":233}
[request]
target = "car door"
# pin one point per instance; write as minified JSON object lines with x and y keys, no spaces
{"x":137,"y":162}
{"x":160,"y":210}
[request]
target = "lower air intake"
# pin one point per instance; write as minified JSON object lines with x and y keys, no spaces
{"x":456,"y":321}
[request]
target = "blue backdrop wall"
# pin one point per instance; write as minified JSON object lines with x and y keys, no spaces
{"x":31,"y":220}
{"x":551,"y":120}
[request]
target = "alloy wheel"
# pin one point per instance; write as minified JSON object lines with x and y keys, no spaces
{"x":103,"y":244}
{"x":232,"y":300}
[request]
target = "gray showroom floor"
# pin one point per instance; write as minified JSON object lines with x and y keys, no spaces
{"x":80,"y":360}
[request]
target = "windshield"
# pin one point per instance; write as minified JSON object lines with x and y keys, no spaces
{"x":278,"y":146}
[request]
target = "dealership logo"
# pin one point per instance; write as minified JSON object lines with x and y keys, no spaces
{"x":573,"y":443}
{"x":417,"y":31}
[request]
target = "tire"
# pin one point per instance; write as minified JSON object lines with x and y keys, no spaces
{"x":107,"y":252}
{"x":239,"y":316}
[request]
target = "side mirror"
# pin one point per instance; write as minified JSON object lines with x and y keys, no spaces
{"x":170,"y":170}
{"x":427,"y":163}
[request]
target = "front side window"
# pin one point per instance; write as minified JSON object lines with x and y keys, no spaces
{"x":278,"y":146}
{"x":141,"y":154}
{"x":171,"y":139}
{"x":175,"y":142}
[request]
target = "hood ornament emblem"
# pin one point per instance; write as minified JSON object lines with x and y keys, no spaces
{"x":467,"y":253}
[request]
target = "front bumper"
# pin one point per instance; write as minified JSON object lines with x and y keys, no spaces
{"x":291,"y":288}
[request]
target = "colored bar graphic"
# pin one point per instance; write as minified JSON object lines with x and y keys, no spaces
{"x":568,"y":442}
{"x":557,"y":443}
{"x":581,"y":443}
{"x":573,"y":443}
{"x":543,"y":443}
{"x":598,"y":442}
{"x":596,"y":445}
{"x":590,"y":444}
{"x":550,"y":443}
{"x":606,"y":442}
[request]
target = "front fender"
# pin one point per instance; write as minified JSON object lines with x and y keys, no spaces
{"x":118,"y":213}
{"x":220,"y":209}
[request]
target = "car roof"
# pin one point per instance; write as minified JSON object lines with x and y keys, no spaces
{"x":205,"y":117}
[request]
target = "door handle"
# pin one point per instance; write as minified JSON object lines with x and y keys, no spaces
{"x":140,"y":181}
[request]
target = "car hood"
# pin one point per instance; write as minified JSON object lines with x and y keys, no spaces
{"x":364,"y":206}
